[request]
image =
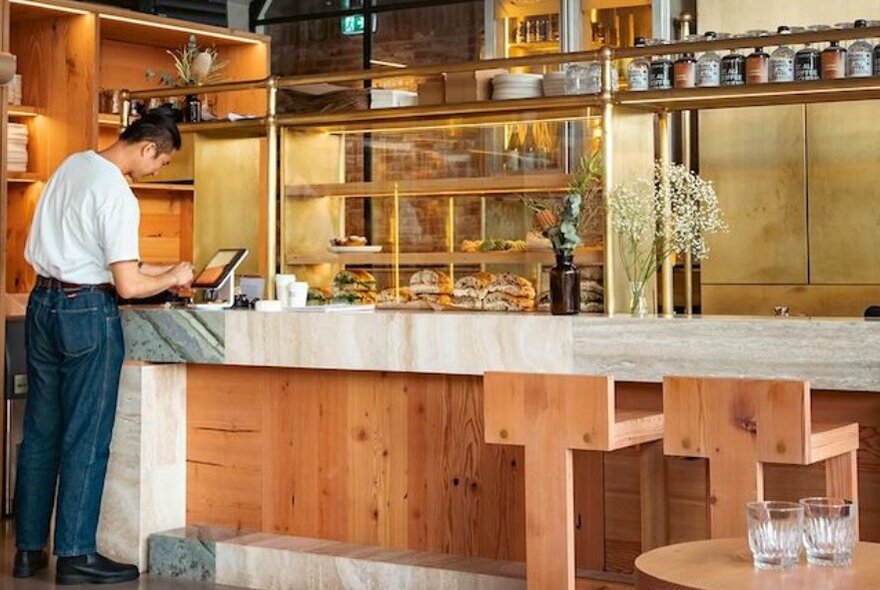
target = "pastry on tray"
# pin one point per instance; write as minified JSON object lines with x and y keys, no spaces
{"x":430,"y":282}
{"x":513,"y":285}
{"x":500,"y":301}
{"x":349,"y":242}
{"x":441,"y":299}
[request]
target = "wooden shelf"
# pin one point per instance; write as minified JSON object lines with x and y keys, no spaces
{"x":23,"y":177}
{"x":522,"y":183}
{"x":539,"y":46}
{"x":584,"y":257}
{"x":161,"y":186}
{"x":23,"y":111}
{"x":253,"y":127}
{"x":779,"y":93}
{"x":109,"y":120}
{"x":486,"y":112}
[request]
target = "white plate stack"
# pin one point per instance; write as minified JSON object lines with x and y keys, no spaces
{"x":516,"y":86}
{"x":15,"y":91}
{"x":17,"y":157}
{"x":383,"y":98}
{"x":554,"y":84}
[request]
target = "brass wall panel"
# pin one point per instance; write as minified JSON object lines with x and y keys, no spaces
{"x":755,"y":157}
{"x":633,"y":158}
{"x":309,"y":224}
{"x":843,"y":141}
{"x":740,"y":16}
{"x":811,"y":300}
{"x":228,"y":209}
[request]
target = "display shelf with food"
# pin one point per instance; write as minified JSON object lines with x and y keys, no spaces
{"x":587,"y":256}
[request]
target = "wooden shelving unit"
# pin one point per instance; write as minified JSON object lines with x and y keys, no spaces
{"x":583,"y":257}
{"x":23,"y":177}
{"x":25,"y":112}
{"x":68,"y":50}
{"x":506,"y":185}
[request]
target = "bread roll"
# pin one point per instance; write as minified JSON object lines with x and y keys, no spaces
{"x":512,"y":285}
{"x":473,"y":286}
{"x":499,"y":301}
{"x":392,"y":295}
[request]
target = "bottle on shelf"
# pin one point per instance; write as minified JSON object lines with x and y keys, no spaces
{"x":513,"y":151}
{"x":529,"y":152}
{"x":807,"y":64}
{"x":554,"y":27}
{"x":661,"y":73}
{"x":859,"y":57}
{"x":685,"y":70}
{"x":709,"y":66}
{"x":782,"y":60}
{"x":638,"y":72}
{"x":758,"y":67}
{"x":733,"y":69}
{"x":834,"y":62}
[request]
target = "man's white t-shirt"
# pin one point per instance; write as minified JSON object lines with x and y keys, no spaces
{"x":86,"y":220}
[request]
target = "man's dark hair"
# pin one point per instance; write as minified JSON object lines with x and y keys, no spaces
{"x":156,"y":125}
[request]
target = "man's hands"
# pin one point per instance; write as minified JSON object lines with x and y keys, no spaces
{"x":138,"y":283}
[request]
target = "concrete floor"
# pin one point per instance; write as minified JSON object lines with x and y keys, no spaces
{"x":46,"y":578}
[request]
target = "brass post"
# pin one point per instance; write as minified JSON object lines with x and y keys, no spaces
{"x":608,"y":175}
{"x":125,"y":111}
{"x":668,"y":261}
{"x":450,"y":232}
{"x":395,"y":247}
{"x":687,"y":161}
{"x":271,"y":186}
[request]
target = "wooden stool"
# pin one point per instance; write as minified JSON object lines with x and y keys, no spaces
{"x":551,"y":415}
{"x":738,"y":425}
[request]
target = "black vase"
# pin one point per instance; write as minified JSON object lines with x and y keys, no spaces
{"x":565,"y":286}
{"x":192,"y":109}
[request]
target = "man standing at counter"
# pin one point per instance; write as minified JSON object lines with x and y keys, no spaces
{"x":83,"y":245}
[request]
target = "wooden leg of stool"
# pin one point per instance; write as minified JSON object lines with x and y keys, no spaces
{"x":652,"y":492}
{"x":734,"y":480}
{"x":842,"y":478}
{"x":549,"y":517}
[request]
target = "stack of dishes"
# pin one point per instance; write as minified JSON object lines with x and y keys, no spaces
{"x":17,"y":156}
{"x":516,"y":86}
{"x":554,"y":84}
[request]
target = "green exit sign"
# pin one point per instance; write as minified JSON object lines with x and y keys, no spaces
{"x":353,"y":25}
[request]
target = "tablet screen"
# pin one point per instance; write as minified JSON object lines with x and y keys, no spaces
{"x":218,"y":268}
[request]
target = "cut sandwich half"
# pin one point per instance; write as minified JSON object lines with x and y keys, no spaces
{"x":353,"y":280}
{"x":513,"y":285}
{"x":430,"y":282}
{"x":474,"y":286}
{"x":499,"y":301}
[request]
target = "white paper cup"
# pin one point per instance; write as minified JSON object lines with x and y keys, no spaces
{"x":297,"y":294}
{"x":282,"y":286}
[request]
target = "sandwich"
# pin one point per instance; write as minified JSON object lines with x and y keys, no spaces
{"x":500,"y":301}
{"x":436,"y":298}
{"x":392,"y":295}
{"x":470,"y":291}
{"x":430,"y":282}
{"x":353,"y":280}
{"x":319,"y":296}
{"x":354,"y":298}
{"x":513,"y":285}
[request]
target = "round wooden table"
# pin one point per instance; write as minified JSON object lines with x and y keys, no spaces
{"x":726,"y":564}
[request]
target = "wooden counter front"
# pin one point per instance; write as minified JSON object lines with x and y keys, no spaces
{"x":398,"y":460}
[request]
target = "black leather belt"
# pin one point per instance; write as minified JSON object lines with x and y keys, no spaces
{"x":50,"y":283}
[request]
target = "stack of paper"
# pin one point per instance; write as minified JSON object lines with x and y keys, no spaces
{"x":17,"y":156}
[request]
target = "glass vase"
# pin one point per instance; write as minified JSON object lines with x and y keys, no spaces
{"x":638,"y":303}
{"x":565,"y":286}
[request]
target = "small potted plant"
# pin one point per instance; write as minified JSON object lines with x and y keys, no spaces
{"x":194,"y":67}
{"x":563,"y":222}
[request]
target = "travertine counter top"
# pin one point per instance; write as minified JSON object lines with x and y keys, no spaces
{"x":832,"y":354}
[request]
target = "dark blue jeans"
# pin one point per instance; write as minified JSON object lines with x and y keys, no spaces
{"x":74,"y":360}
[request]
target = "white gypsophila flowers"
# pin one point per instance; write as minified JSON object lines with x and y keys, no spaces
{"x":639,"y":218}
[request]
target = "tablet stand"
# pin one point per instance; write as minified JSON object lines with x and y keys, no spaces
{"x":223,"y":297}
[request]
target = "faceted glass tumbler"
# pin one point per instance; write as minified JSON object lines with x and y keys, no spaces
{"x":775,"y":530}
{"x":829,"y":531}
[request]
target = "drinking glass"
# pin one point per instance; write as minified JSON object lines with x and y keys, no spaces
{"x":829,"y":531}
{"x":775,"y":530}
